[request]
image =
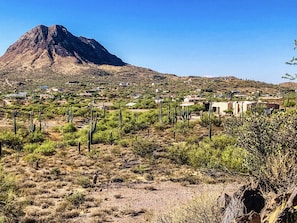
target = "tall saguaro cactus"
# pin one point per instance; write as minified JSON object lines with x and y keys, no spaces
{"x":14,"y":115}
{"x":160,"y":113}
{"x":92,"y":128}
{"x":69,"y":114}
{"x":40,"y":121}
{"x":31,"y":124}
{"x":209,"y":119}
{"x":120,"y":119}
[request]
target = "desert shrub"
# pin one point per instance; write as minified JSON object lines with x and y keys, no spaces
{"x":214,"y":154}
{"x":11,"y":210}
{"x":70,"y":139}
{"x":11,"y":140}
{"x":30,"y":147}
{"x":83,"y":181}
{"x":93,"y":154}
{"x":205,"y":120}
{"x":55,"y":171}
{"x":270,"y":142}
{"x":144,"y":147}
{"x":76,"y":199}
{"x":233,"y":158}
{"x":46,"y":149}
{"x":203,"y":209}
{"x":32,"y":158}
{"x":69,"y":128}
{"x":160,"y":126}
{"x":219,"y":153}
{"x":179,"y":153}
{"x":102,"y":137}
{"x":288,"y":103}
{"x":125,"y":142}
{"x":36,"y":137}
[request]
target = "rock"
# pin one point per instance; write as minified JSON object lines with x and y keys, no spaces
{"x":292,"y":201}
{"x":252,"y":217}
{"x":244,"y":204}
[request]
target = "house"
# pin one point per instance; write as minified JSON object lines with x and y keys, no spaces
{"x":194,"y":99}
{"x":72,"y":83}
{"x":232,"y":107}
{"x":130,"y":104}
{"x":20,"y":95}
{"x":46,"y":96}
{"x":124,"y":84}
{"x":239,"y":107}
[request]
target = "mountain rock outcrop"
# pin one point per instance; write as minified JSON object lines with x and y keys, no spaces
{"x":56,"y":48}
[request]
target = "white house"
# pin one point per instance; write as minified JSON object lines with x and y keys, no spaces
{"x":235,"y":107}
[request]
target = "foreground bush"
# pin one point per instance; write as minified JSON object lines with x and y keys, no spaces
{"x":270,"y":142}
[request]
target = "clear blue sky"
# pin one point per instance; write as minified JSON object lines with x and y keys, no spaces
{"x":249,"y":39}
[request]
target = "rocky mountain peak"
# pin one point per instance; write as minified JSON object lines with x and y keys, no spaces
{"x":55,"y":46}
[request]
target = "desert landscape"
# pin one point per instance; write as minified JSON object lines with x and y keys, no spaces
{"x":86,"y":137}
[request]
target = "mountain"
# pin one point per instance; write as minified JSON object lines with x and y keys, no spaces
{"x":57,"y":49}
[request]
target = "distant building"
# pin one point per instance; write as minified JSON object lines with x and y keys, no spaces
{"x":238,"y":107}
{"x":124,"y":84}
{"x":130,"y":104}
{"x":20,"y":95}
{"x":194,"y":99}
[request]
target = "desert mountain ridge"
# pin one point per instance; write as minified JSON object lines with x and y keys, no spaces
{"x":56,"y":48}
{"x":52,"y":53}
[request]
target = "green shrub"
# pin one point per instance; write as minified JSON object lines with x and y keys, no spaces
{"x":205,"y":120}
{"x":32,"y":158}
{"x":31,"y":147}
{"x":11,"y":209}
{"x":46,"y":149}
{"x":9,"y":139}
{"x":76,"y":199}
{"x":179,"y":153}
{"x":70,"y":139}
{"x":83,"y":181}
{"x":69,"y":128}
{"x":144,"y":148}
{"x":125,"y":142}
{"x":35,"y":137}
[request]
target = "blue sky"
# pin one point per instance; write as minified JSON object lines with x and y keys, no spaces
{"x":248,"y":39}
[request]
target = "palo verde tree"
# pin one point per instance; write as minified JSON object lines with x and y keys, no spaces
{"x":291,"y":62}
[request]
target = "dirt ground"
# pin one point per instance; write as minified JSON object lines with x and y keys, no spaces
{"x":141,"y":202}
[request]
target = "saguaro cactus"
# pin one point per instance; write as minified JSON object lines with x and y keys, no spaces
{"x":120,"y":119}
{"x":186,"y":115}
{"x":14,"y":115}
{"x":40,"y":121}
{"x":31,"y":124}
{"x":92,"y":129}
{"x":209,"y":120}
{"x":160,"y":113}
{"x":69,"y":114}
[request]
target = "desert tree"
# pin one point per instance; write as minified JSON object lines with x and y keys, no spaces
{"x":292,"y":61}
